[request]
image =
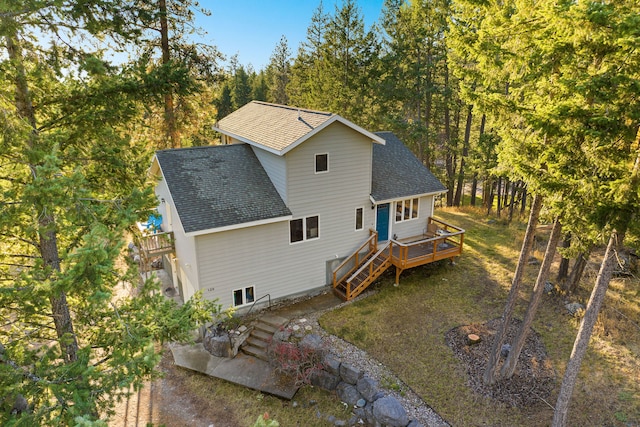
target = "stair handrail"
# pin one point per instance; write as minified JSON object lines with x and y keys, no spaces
{"x":371,"y":241}
{"x":256,"y":301}
{"x":369,"y":261}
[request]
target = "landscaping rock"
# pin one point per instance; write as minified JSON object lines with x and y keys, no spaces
{"x":325,"y":380}
{"x":388,"y":411}
{"x":350,"y":374}
{"x":332,"y":364}
{"x":368,"y":388}
{"x":216,"y":343}
{"x":415,"y":423}
{"x":348,"y":393}
{"x":312,"y":343}
{"x":548,"y":287}
{"x":574,"y":307}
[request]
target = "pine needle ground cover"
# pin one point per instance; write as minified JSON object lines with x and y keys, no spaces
{"x":405,"y":328}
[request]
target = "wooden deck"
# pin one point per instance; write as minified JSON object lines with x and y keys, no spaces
{"x":439,"y":241}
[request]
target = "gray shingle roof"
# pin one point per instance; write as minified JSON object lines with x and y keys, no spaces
{"x":218,"y":186}
{"x":398,"y":173}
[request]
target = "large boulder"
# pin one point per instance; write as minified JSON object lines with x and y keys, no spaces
{"x":324,"y":380}
{"x":368,"y":388}
{"x":389,"y":412}
{"x":348,"y":393}
{"x":217,"y":343}
{"x":350,"y":374}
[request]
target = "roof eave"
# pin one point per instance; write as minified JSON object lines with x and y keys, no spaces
{"x":393,"y":199}
{"x":334,"y":118}
{"x":248,"y":141}
{"x":239,"y":226}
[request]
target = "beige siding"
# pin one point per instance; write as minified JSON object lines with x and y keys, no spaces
{"x":184,"y":245}
{"x":262,"y":255}
{"x":275,"y":166}
{"x":414,"y":227}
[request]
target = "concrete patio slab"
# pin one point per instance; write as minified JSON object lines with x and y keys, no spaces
{"x":244,"y":370}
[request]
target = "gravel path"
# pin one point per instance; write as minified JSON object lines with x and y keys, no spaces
{"x":417,"y":409}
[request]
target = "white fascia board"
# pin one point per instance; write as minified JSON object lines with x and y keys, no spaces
{"x":335,"y":118}
{"x":239,"y":226}
{"x":412,"y":196}
{"x":171,"y":202}
{"x":248,"y":141}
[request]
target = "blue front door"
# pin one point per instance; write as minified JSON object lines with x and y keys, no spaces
{"x":382,"y":222}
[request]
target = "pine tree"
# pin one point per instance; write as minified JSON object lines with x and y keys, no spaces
{"x":72,"y":183}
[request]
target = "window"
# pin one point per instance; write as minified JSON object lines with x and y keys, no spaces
{"x":244,"y":296}
{"x":304,"y":229}
{"x":406,"y":210}
{"x":322,"y":163}
{"x":359,"y":219}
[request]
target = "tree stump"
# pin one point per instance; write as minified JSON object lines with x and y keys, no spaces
{"x":473,"y":339}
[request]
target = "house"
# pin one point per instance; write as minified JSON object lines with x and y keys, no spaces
{"x":292,"y":201}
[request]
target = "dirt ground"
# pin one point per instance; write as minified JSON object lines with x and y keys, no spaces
{"x":534,"y":378}
{"x":169,"y":402}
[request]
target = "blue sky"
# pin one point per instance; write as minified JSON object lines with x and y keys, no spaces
{"x":252,"y":28}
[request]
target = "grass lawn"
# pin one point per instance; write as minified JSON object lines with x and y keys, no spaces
{"x":404,"y":328}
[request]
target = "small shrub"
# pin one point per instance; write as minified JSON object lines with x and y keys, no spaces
{"x":297,"y":361}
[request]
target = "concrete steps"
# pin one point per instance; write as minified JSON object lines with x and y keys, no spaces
{"x":258,"y":341}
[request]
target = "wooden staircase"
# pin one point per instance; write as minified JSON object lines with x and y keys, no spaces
{"x":364,"y":272}
{"x":258,"y":341}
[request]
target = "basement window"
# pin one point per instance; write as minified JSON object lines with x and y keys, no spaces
{"x":244,"y":296}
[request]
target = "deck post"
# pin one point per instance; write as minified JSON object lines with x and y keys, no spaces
{"x":398,"y":273}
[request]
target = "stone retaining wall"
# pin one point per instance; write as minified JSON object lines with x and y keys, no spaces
{"x":369,"y":401}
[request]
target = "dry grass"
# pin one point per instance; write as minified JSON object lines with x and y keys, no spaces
{"x":404,"y":328}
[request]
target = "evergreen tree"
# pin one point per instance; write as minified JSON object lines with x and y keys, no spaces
{"x":72,"y":183}
{"x":279,"y":73}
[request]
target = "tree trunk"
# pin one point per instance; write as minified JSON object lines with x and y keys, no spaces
{"x":465,"y":152}
{"x":572,"y":282}
{"x":563,"y":268}
{"x":496,"y":347}
{"x":514,"y":190}
{"x":474,"y":188}
{"x":169,"y":113}
{"x":518,"y":343}
{"x":584,"y":333}
{"x":48,"y":241}
{"x":523,"y":207}
{"x":499,"y":208}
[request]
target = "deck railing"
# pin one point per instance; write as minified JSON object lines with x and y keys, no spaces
{"x":440,"y":241}
{"x":355,"y":259}
{"x":157,"y":244}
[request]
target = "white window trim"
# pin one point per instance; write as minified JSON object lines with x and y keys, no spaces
{"x":356,"y":218}
{"x":315,"y":162}
{"x":244,"y":295}
{"x":395,"y":205}
{"x":304,"y":229}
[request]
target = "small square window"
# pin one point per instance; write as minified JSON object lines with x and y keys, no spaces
{"x":244,"y":296}
{"x":322,"y":163}
{"x":237,"y":297}
{"x":359,"y":219}
{"x":312,"y":227}
{"x":296,"y":230}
